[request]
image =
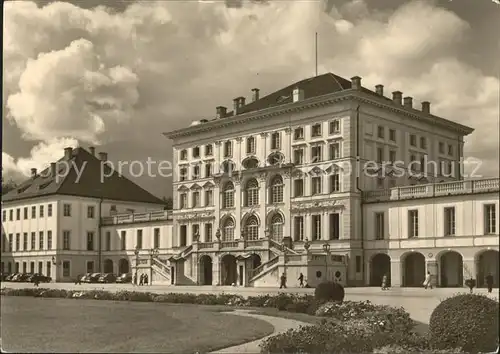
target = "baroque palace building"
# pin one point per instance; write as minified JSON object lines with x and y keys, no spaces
{"x":324,"y":177}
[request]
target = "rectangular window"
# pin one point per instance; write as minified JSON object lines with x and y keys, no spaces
{"x":196,"y":152}
{"x":298,"y":133}
{"x":334,"y":226}
{"x":25,"y":212}
{"x":40,"y":267}
{"x":66,"y":269}
{"x":423,"y":143}
{"x":156,"y":236}
{"x":139,"y":239}
{"x":275,"y":141}
{"x":209,"y":198}
{"x":41,"y":211}
{"x":316,"y":130}
{"x":380,"y":183}
{"x":33,"y":241}
{"x":298,"y":156}
{"x":18,"y":214}
{"x":298,"y":187}
{"x":183,"y":155}
{"x":490,"y":219}
{"x":11,"y":240}
{"x":123,"y":240}
{"x":251,"y":145}
{"x":90,"y":241}
{"x":379,"y":226}
{"x":25,"y":241}
{"x":90,"y":212}
{"x":358,"y":264}
{"x":316,"y":227}
{"x":209,"y":150}
{"x":90,"y":266}
{"x":380,"y":132}
{"x":450,"y":150}
{"x":334,"y":183}
{"x":316,"y":185}
{"x":298,"y":228}
{"x":412,"y":223}
{"x":228,"y":149}
{"x":316,"y":153}
{"x":196,"y":199}
{"x":66,"y":240}
{"x":67,"y":210}
{"x":11,"y":215}
{"x":183,"y":235}
{"x":334,"y":151}
{"x":32,"y":267}
{"x":449,"y":221}
{"x":183,"y":201}
{"x":49,"y":210}
{"x":392,"y":135}
{"x":18,"y":242}
{"x":380,"y":155}
{"x":208,"y":232}
{"x":196,"y":232}
{"x":33,"y":212}
{"x":40,"y":240}
{"x":392,"y":156}
{"x":413,"y":140}
{"x":196,"y":172}
{"x":49,"y":240}
{"x":25,"y":267}
{"x":334,"y":127}
{"x":4,"y":215}
{"x":108,"y":241}
{"x":208,"y":169}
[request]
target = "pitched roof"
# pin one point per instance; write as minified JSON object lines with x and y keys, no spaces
{"x":115,"y":187}
{"x":313,"y":87}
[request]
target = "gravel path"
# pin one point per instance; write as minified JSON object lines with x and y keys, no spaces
{"x":280,"y":325}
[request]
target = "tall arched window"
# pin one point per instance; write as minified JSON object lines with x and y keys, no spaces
{"x":228,"y":195}
{"x":276,"y":190}
{"x":252,"y":192}
{"x":228,"y":230}
{"x":252,"y":228}
{"x":277,"y":227}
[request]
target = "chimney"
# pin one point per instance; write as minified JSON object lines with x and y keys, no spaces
{"x":379,"y":89}
{"x":236,"y":105}
{"x":67,"y":153}
{"x":298,"y":94}
{"x":255,"y":94}
{"x":33,"y":172}
{"x":103,"y":156}
{"x":408,"y":102}
{"x":356,"y":83}
{"x":221,"y":111}
{"x":242,"y":101}
{"x":53,"y":169}
{"x":426,"y":107}
{"x":397,"y":97}
{"x":92,"y":150}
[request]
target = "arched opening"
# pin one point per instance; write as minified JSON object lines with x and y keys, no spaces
{"x":108,"y":266}
{"x":487,"y":264}
{"x":252,"y":192}
{"x":228,"y":195}
{"x":228,"y":229}
{"x":380,"y":265}
{"x":256,"y":261}
{"x":276,"y":190}
{"x":228,"y":271}
{"x":276,"y":225}
{"x":252,"y":228}
{"x":206,"y":270}
{"x":414,"y":270}
{"x":451,"y":270}
{"x":123,"y":266}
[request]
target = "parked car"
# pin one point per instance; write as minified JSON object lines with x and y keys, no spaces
{"x":84,"y":278}
{"x":107,"y":278}
{"x":21,"y":277}
{"x":92,"y":278}
{"x":124,"y":278}
{"x":41,"y":278}
{"x":10,"y":277}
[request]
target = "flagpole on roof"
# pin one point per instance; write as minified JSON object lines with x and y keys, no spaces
{"x":316,"y":51}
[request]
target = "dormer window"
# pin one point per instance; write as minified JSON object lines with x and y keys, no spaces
{"x":183,"y":155}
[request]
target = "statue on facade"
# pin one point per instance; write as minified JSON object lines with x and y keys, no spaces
{"x":217,"y":235}
{"x":307,"y":245}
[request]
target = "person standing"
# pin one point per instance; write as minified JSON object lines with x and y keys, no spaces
{"x":384,"y":282}
{"x":489,"y":282}
{"x":301,"y":280}
{"x":427,"y":281}
{"x":36,"y":280}
{"x":283,"y":281}
{"x":141,"y":279}
{"x":146,"y":279}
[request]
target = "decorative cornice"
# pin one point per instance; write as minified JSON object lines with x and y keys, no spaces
{"x":315,"y":102}
{"x":264,"y":135}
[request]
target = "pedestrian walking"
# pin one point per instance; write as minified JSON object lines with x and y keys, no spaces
{"x":489,"y":282}
{"x":301,"y":280}
{"x":146,"y":279}
{"x":141,"y":279}
{"x":427,"y":281}
{"x":134,"y":280}
{"x":283,"y":281}
{"x":384,"y":282}
{"x":36,"y":280}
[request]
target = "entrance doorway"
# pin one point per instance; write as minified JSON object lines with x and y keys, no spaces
{"x":205,"y":270}
{"x":108,"y":266}
{"x":487,"y":264}
{"x":414,"y":270}
{"x":123,"y":266}
{"x":451,"y":270}
{"x":228,"y":271}
{"x":380,"y":265}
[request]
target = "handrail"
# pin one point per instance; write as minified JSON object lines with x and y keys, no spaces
{"x":260,"y":268}
{"x":162,"y":265}
{"x":279,"y":246}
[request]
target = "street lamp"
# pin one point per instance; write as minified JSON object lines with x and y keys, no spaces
{"x":326,"y":248}
{"x":153,"y":252}
{"x":283,"y":248}
{"x":136,"y":252}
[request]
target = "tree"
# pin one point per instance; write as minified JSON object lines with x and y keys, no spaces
{"x":169,"y":203}
{"x":7,"y":186}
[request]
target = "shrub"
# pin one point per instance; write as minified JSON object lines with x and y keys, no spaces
{"x":468,"y":321}
{"x":329,"y":291}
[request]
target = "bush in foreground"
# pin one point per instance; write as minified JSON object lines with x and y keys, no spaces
{"x":329,"y":291}
{"x":468,"y":321}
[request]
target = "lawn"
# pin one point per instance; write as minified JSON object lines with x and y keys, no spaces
{"x":66,"y":325}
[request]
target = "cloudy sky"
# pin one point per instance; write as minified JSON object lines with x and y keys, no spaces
{"x":116,"y":74}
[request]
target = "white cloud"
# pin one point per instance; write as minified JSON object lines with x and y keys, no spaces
{"x":95,"y":75}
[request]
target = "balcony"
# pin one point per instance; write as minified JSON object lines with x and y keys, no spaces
{"x":433,"y":190}
{"x":137,"y":217}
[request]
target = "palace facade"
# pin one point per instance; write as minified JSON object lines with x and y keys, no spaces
{"x":324,"y":177}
